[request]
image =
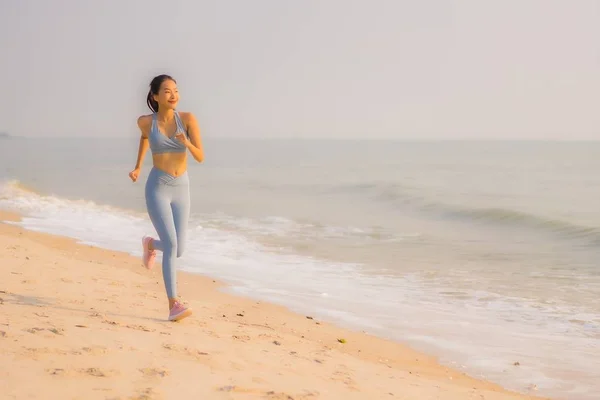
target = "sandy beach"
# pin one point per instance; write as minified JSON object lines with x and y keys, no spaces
{"x":79,"y":322}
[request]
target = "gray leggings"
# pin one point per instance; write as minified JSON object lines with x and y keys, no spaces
{"x":168,"y":203}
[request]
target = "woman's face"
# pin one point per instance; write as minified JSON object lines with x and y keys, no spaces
{"x":168,"y":95}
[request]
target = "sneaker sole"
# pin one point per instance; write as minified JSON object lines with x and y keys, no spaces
{"x":181,"y":315}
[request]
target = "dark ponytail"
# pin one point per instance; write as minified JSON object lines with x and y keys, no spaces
{"x":154,"y":88}
{"x":152,"y":104}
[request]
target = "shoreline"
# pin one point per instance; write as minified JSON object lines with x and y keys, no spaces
{"x":97,"y":319}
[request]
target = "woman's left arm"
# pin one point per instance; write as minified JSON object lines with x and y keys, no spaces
{"x":194,"y":143}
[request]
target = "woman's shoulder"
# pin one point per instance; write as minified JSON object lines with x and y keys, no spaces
{"x":188,"y":118}
{"x":144,"y":121}
{"x":187,"y":115}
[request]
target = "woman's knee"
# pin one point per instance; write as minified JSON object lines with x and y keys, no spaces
{"x":170,"y":246}
{"x":180,"y":249}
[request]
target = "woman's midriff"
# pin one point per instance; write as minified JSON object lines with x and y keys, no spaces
{"x":174,"y":164}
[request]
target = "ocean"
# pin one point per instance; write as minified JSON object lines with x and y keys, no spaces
{"x":483,"y":253}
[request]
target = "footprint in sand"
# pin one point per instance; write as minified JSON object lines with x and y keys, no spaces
{"x":82,"y":372}
{"x":140,"y":328}
{"x":154,"y":372}
{"x":35,"y":352}
{"x":344,"y":375}
{"x":271,"y":394}
{"x":96,"y":314}
{"x":184,"y":350}
{"x":243,"y":338}
{"x":284,"y":396}
{"x":54,"y":331}
{"x":94,"y":350}
{"x":98,"y":372}
{"x":147,"y":394}
{"x":211,"y":333}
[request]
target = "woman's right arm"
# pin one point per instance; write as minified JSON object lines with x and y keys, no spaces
{"x":142,"y":148}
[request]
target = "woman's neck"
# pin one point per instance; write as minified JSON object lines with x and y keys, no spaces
{"x":165,"y":115}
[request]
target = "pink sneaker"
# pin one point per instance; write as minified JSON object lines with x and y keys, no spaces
{"x":179,"y":312}
{"x":149,"y":255}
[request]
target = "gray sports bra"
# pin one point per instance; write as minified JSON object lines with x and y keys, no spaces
{"x":160,"y":143}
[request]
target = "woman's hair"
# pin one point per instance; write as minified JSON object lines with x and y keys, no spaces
{"x":154,"y":88}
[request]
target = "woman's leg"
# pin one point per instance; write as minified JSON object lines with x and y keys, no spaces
{"x":158,"y":203}
{"x":169,"y":211}
{"x":180,"y":206}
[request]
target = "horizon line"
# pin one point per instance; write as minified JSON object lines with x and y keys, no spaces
{"x":331,"y":138}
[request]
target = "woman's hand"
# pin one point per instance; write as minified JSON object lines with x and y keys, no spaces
{"x":182,"y":137}
{"x":133,"y":175}
{"x":193,"y":142}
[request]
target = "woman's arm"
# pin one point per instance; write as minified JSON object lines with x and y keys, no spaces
{"x":142,"y":149}
{"x":194,"y":144}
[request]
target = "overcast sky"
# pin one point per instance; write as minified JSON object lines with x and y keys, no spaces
{"x":306,"y":68}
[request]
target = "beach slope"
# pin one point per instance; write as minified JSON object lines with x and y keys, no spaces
{"x":79,"y":322}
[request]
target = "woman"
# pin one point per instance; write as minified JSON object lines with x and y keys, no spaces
{"x":170,"y":134}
